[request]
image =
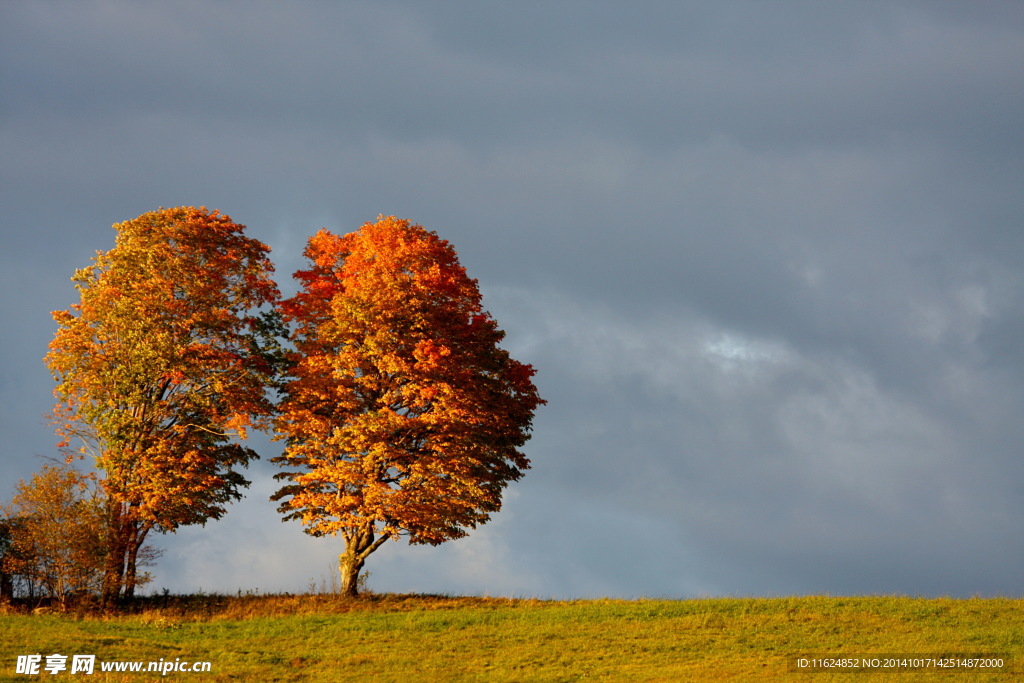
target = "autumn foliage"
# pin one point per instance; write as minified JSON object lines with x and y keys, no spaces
{"x":53,"y":533}
{"x":402,"y":414}
{"x":162,"y":364}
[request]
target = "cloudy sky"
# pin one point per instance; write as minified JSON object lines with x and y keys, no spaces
{"x":767,"y":258}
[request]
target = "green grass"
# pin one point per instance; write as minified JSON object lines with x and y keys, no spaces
{"x":437,"y":638}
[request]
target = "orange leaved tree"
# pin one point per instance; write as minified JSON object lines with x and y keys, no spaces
{"x":55,"y":536}
{"x":160,"y":366}
{"x":402,"y":415}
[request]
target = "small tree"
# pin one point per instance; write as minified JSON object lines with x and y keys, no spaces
{"x":403,"y":416}
{"x":55,"y":535}
{"x":8,"y":557}
{"x":160,"y":367}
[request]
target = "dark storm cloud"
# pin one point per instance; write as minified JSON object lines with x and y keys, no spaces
{"x":766,"y":258}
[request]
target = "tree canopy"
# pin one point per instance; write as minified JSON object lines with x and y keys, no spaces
{"x":54,"y":536}
{"x":402,"y":414}
{"x":162,"y":364}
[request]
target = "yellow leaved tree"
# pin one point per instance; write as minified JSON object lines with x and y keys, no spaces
{"x":161,"y":366}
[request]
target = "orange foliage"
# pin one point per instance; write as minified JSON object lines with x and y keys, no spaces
{"x":403,"y":416}
{"x":161,"y":364}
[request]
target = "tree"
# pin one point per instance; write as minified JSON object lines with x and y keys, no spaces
{"x":402,"y":415}
{"x":8,"y":557}
{"x":160,"y":367}
{"x":54,"y":535}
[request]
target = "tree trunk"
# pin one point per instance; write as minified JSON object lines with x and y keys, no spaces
{"x":131,"y":560}
{"x":113,"y":569}
{"x":113,"y":576}
{"x":125,"y":535}
{"x":358,"y":546}
{"x":350,"y":567}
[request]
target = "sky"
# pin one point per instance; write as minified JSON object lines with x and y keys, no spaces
{"x":767,"y":259}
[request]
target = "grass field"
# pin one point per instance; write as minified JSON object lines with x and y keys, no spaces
{"x":439,"y":638}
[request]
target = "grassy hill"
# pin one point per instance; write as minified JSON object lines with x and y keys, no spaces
{"x":440,"y":638}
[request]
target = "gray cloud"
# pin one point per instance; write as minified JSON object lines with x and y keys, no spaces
{"x":765,"y":258}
